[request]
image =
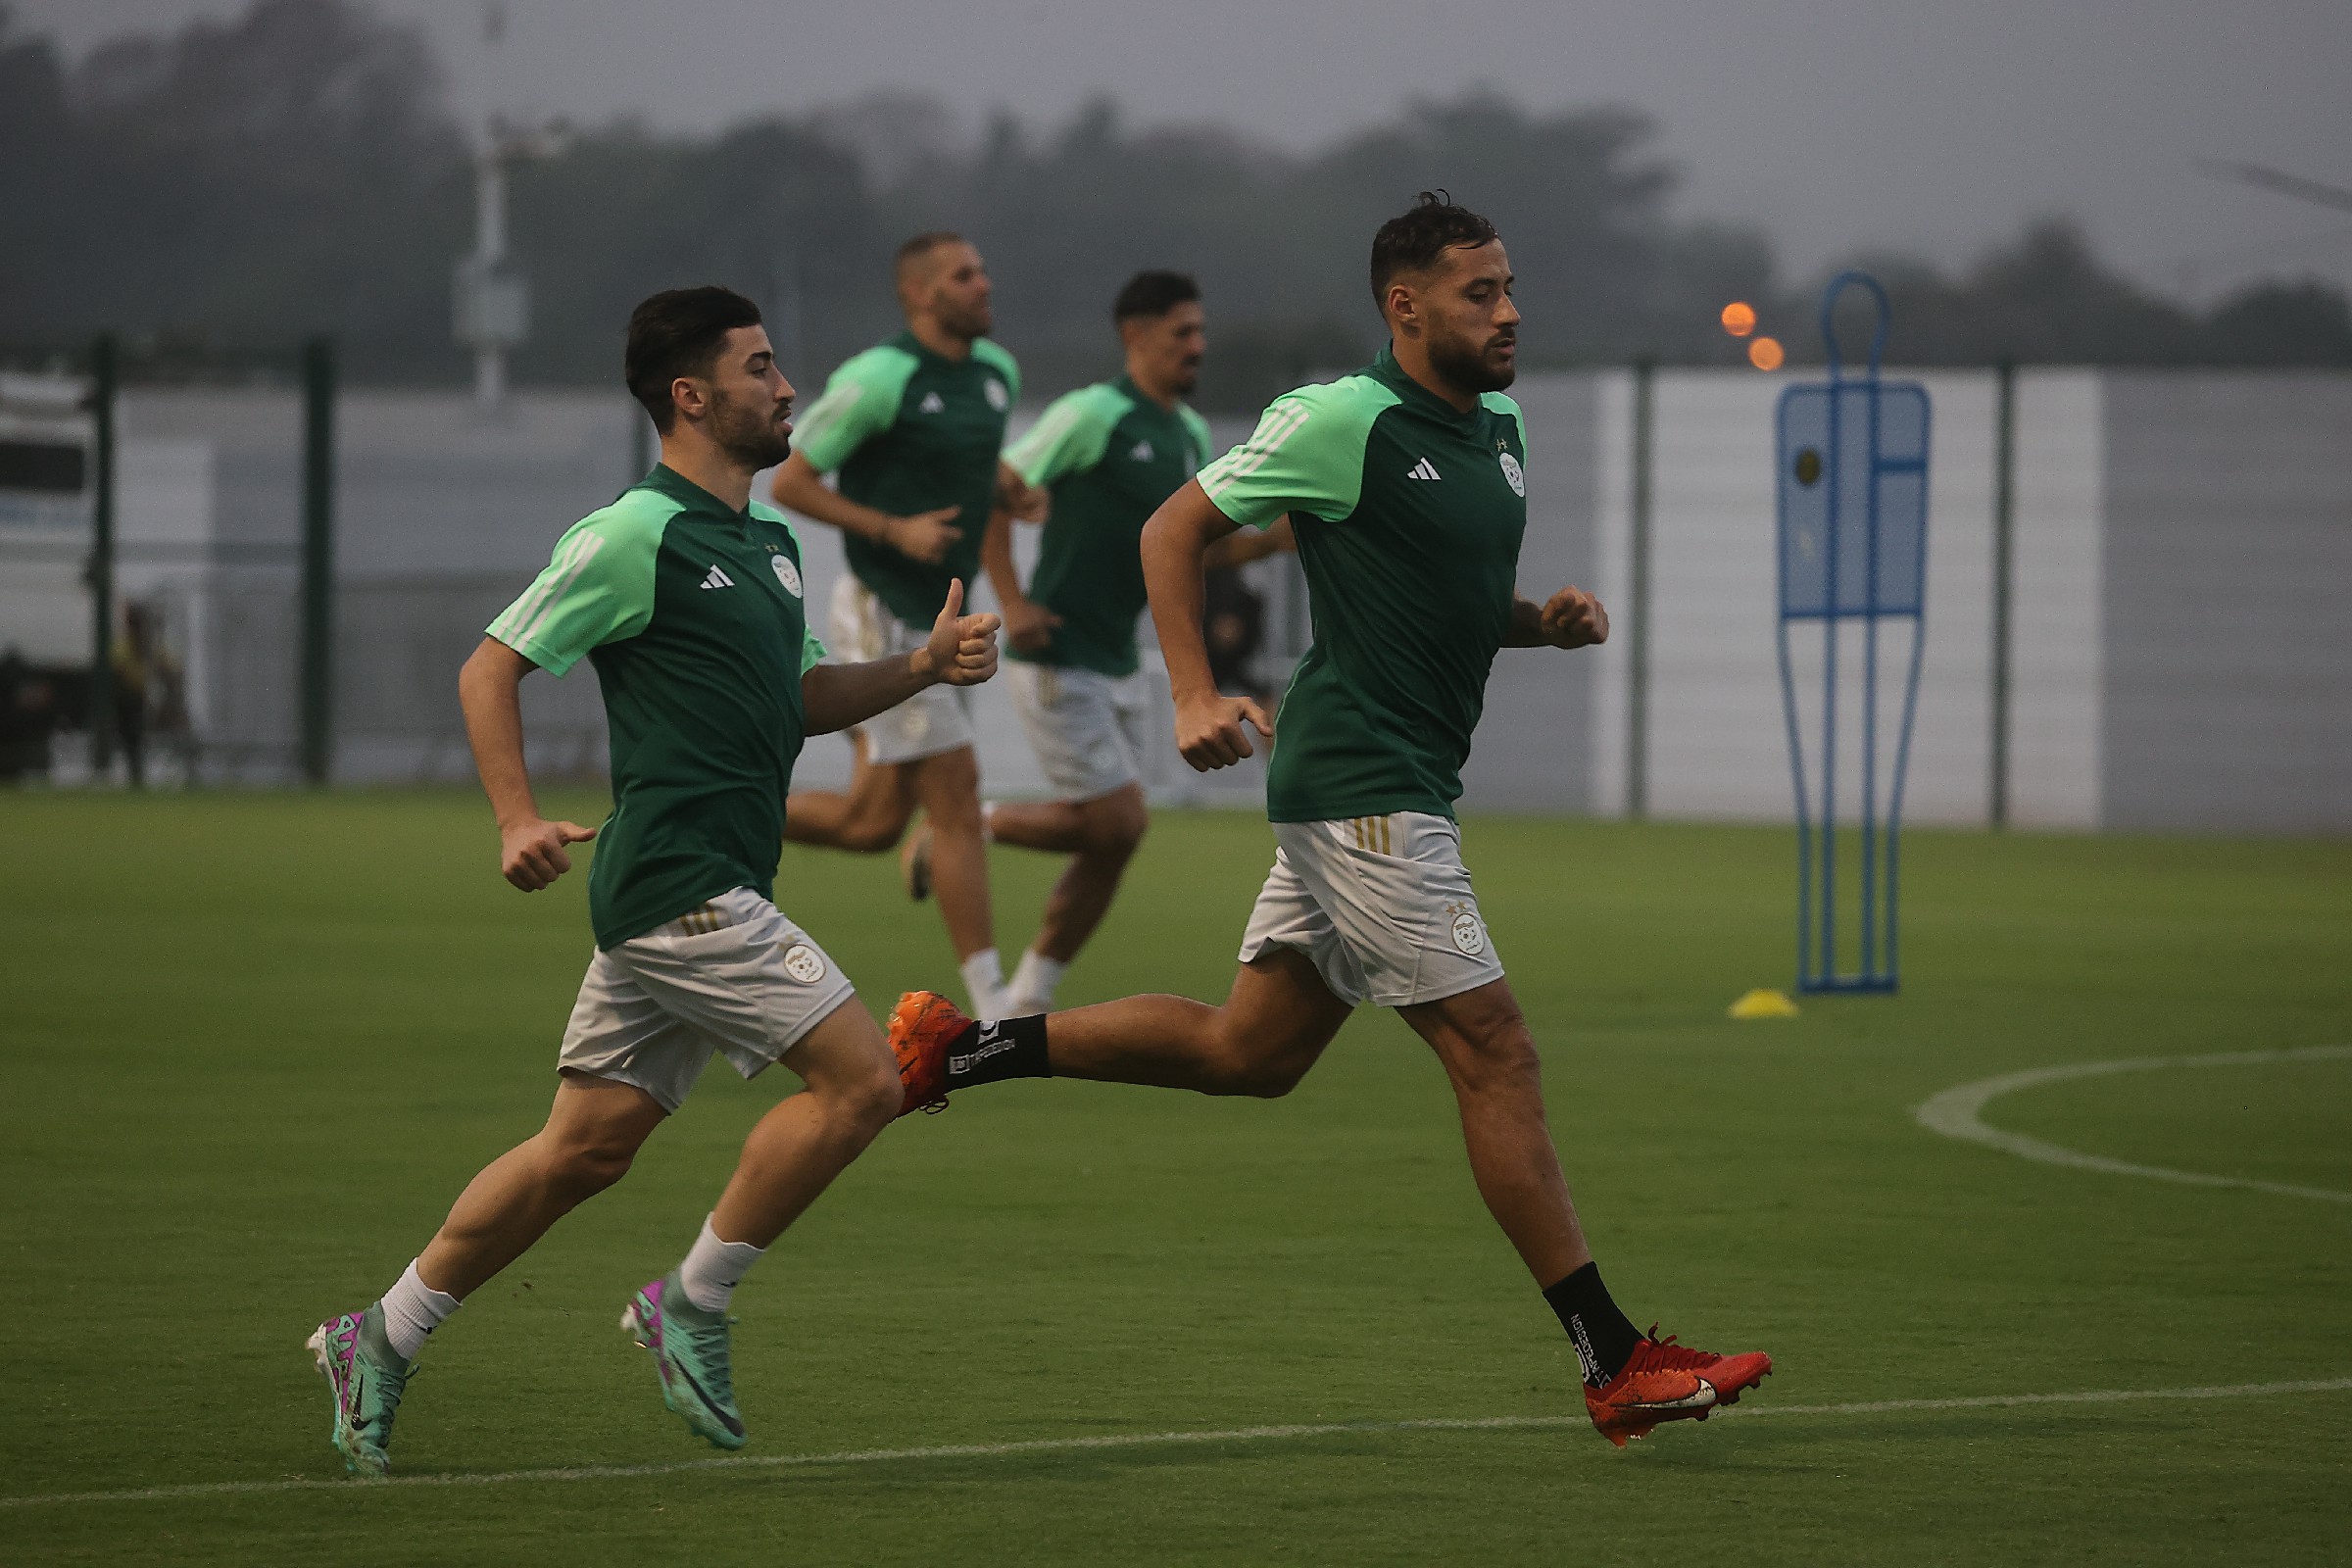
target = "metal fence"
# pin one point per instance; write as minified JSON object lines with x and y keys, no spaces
{"x":2072,"y":513}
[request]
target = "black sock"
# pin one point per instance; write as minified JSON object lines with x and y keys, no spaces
{"x":1605,"y":1338}
{"x":1005,"y":1047}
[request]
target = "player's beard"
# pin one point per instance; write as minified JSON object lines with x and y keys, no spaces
{"x":1465,"y":362}
{"x":970,"y":321}
{"x":1187,"y":380}
{"x":746,"y":431}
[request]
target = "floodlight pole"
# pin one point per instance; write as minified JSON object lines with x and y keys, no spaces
{"x":1637,"y":674}
{"x":2005,"y":545}
{"x":104,"y":378}
{"x":317,"y":559}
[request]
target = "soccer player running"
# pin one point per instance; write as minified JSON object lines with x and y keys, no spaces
{"x":1108,"y":453}
{"x":1406,"y":483}
{"x":686,"y":596}
{"x":913,"y":427}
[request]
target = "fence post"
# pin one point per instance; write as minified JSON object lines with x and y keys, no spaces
{"x":1637,"y":679}
{"x":104,"y":379}
{"x":2004,"y":535}
{"x":317,"y":558}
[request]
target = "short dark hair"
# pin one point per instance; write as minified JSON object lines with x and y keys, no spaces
{"x":1153,"y":293}
{"x":918,"y":247}
{"x":1415,"y":239}
{"x":678,"y":332}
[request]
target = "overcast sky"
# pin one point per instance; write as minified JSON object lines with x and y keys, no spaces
{"x":1937,"y":127}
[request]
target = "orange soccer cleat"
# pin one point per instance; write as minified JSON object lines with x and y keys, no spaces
{"x":1670,"y":1382}
{"x":922,"y":1026}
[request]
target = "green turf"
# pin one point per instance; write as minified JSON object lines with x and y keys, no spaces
{"x":253,"y":1047}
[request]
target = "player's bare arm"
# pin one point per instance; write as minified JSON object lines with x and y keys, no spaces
{"x":1025,"y":500}
{"x":925,"y":536}
{"x":1209,"y":726}
{"x":962,"y":651}
{"x":1569,"y":618}
{"x":530,"y":847}
{"x":1245,"y":545}
{"x":1028,"y":625}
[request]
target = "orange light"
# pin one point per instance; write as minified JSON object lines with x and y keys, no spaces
{"x":1765,"y":354}
{"x":1739,"y":319}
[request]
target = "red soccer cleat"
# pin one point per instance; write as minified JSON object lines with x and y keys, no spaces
{"x":1670,"y":1382}
{"x":922,"y":1026}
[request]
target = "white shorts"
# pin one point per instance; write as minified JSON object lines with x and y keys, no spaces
{"x":1087,"y":728}
{"x":933,"y":721}
{"x":732,"y":976}
{"x":1382,"y":905}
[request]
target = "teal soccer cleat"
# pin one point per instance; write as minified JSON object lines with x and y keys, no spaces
{"x":690,"y":1353}
{"x":367,"y":1379}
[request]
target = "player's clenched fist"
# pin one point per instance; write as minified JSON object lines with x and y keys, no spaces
{"x":924,"y":537}
{"x":531,"y":854}
{"x":963,"y":649}
{"x":1575,"y":619}
{"x":1213,"y":731}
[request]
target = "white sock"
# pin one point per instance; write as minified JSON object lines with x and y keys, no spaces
{"x":984,"y":981}
{"x":714,"y":1268}
{"x":1034,"y":981}
{"x":413,"y":1309}
{"x":988,"y":826}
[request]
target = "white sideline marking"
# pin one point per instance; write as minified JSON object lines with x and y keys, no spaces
{"x":1956,"y":1113}
{"x":1141,"y":1439}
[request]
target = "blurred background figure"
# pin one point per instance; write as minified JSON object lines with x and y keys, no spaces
{"x":150,"y":694}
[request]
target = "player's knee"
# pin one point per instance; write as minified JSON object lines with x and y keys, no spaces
{"x":870,"y":1100}
{"x":1270,"y":1080}
{"x":1247,"y":1068}
{"x":1113,"y":827}
{"x":584,"y":1165}
{"x":1502,"y":1058}
{"x":872,"y":835}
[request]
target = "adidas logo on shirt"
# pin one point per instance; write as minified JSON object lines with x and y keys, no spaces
{"x":718,"y":579}
{"x":932,"y":404}
{"x":1424,"y":469}
{"x":1142,"y":452}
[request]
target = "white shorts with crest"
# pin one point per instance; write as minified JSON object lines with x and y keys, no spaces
{"x":733,"y":976}
{"x":1382,"y":906}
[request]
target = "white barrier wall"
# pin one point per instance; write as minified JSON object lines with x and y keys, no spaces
{"x":2057,"y":640}
{"x":1718,"y":742}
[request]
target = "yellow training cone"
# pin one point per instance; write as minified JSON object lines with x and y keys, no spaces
{"x":1762,"y":1003}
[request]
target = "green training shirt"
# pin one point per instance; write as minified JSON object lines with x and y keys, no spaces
{"x":1110,"y":455}
{"x":1409,"y":516}
{"x":694,"y":616}
{"x":910,"y":431}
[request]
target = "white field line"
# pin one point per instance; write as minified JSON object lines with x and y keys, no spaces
{"x":1141,"y":1439}
{"x":1958,"y":1114}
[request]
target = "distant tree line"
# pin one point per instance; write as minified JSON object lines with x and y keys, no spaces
{"x":297,"y":169}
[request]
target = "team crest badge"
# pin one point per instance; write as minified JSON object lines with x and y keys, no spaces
{"x":787,"y":574}
{"x":804,"y":963}
{"x":998,"y":398}
{"x":1516,"y":474}
{"x":1469,"y":931}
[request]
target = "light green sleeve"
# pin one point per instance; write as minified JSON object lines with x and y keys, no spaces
{"x":813,"y":652}
{"x":1071,"y":435}
{"x":1307,"y":455}
{"x":1203,"y":444}
{"x":598,"y":588}
{"x":859,"y":403}
{"x":993,"y":355}
{"x":1499,"y":403}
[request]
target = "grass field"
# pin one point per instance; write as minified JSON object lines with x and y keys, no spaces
{"x":254,"y":1044}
